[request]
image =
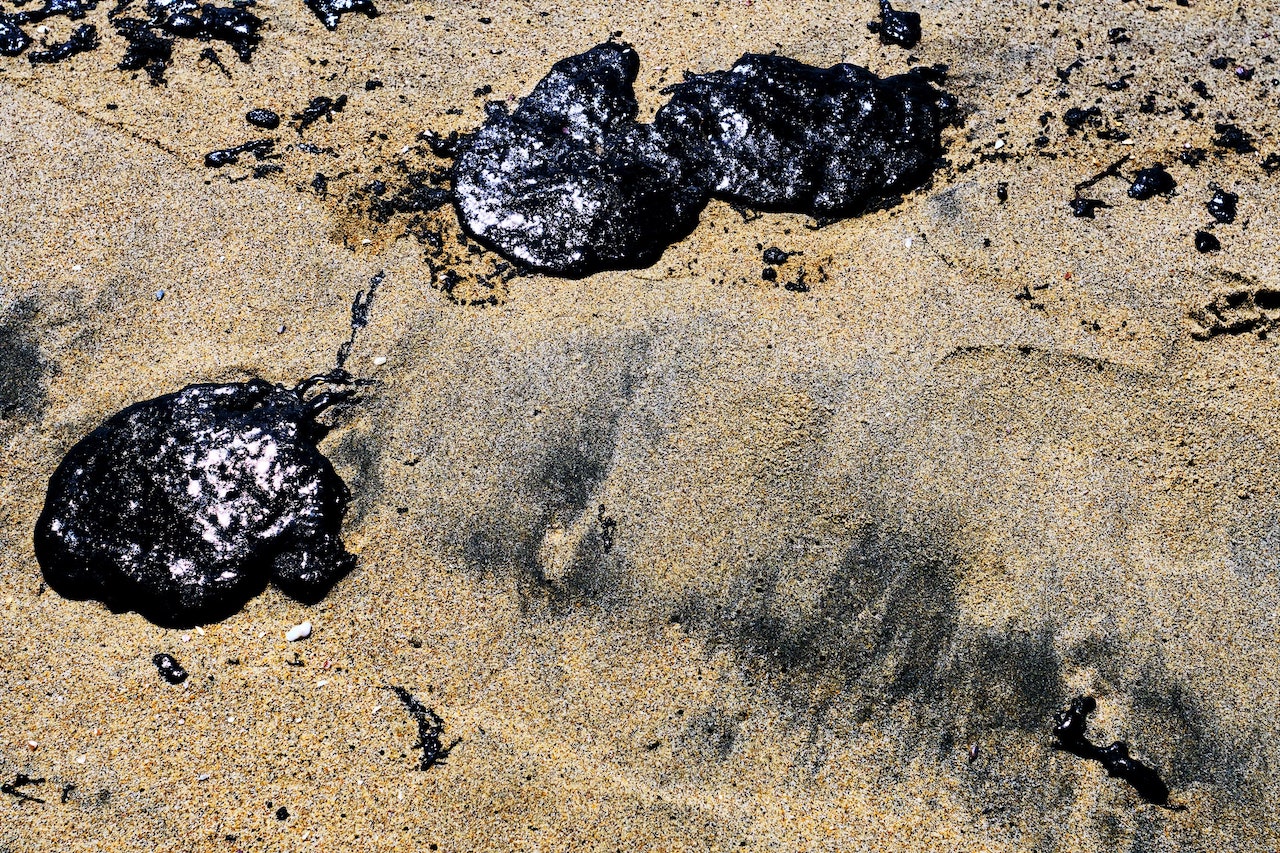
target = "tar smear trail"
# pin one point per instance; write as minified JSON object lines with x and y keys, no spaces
{"x":1069,"y":729}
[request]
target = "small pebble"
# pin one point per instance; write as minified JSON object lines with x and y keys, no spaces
{"x":299,"y":632}
{"x":159,"y":295}
{"x":170,"y":670}
{"x":380,"y":360}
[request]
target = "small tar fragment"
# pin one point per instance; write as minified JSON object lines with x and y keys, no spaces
{"x":1076,"y":118}
{"x":1069,"y":729}
{"x":894,"y":27}
{"x":769,"y":274}
{"x":1002,"y":191}
{"x":430,"y":727}
{"x":1233,"y":138}
{"x":1085,"y":208}
{"x":1118,"y":35}
{"x":20,"y":781}
{"x":775,"y":256}
{"x":331,"y":11}
{"x":1270,"y":163}
{"x":83,"y":39}
{"x":13,"y":39}
{"x":1222,"y":206}
{"x":1151,"y":182}
{"x":211,"y":56}
{"x":170,"y":670}
{"x":282,"y":813}
{"x":1192,"y":157}
{"x":1202,"y":90}
{"x":147,"y":51}
{"x":1206,"y":242}
{"x":263,"y":118}
{"x":259,"y":148}
{"x":320,"y":108}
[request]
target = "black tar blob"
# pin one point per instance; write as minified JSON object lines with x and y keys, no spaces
{"x":1222,"y":206}
{"x":151,"y":39}
{"x":184,"y":506}
{"x":266,"y":119}
{"x":570,"y":183}
{"x":1206,"y":242}
{"x":170,"y":670}
{"x":1151,"y":182}
{"x":259,"y":148}
{"x":1069,"y":729}
{"x":900,"y":28}
{"x":1085,"y":208}
{"x":776,"y":134}
{"x":84,"y":38}
{"x":331,"y":11}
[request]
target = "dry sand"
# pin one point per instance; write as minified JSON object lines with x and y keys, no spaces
{"x":862,"y":532}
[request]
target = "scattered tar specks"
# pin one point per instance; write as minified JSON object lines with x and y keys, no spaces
{"x":184,"y":506}
{"x":263,"y":118}
{"x":1242,"y":310}
{"x":20,"y":781}
{"x":360,"y":308}
{"x":430,"y":728}
{"x":1151,"y":182}
{"x":150,"y":40}
{"x":1233,"y":138}
{"x":1202,"y":90}
{"x":23,"y":369}
{"x":170,"y":670}
{"x":1077,"y":117}
{"x":259,"y":148}
{"x":331,"y":11}
{"x":569,"y":183}
{"x":775,"y":134}
{"x":423,"y":192}
{"x":67,"y":788}
{"x":1085,"y":208}
{"x":608,"y":529}
{"x":320,"y":184}
{"x":1270,"y":163}
{"x":894,"y":27}
{"x":211,"y":56}
{"x":1069,"y":729}
{"x":775,"y":256}
{"x":1192,"y":157}
{"x":1207,"y":242}
{"x":1222,"y":207}
{"x":321,"y":107}
{"x":83,"y":39}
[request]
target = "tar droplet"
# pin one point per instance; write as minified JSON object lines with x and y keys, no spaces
{"x":1151,"y":182}
{"x":775,"y":256}
{"x":1222,"y":206}
{"x":170,"y":670}
{"x":1233,"y":138}
{"x":184,"y":506}
{"x":263,"y":118}
{"x":1085,"y":208}
{"x":1206,"y":242}
{"x":282,"y":813}
{"x":84,"y":38}
{"x":259,"y":148}
{"x":894,"y":27}
{"x":1002,"y":192}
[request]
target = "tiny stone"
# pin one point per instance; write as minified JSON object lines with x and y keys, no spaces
{"x":159,"y":295}
{"x":170,"y":670}
{"x":298,"y":632}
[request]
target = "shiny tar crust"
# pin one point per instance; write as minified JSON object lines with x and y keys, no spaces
{"x":776,"y":134}
{"x":184,"y":506}
{"x":569,"y":183}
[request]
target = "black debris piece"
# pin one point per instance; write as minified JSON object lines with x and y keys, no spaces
{"x":184,"y":506}
{"x":1076,"y":118}
{"x":430,"y":727}
{"x":74,"y":10}
{"x":263,"y":118}
{"x":1002,"y":191}
{"x":1222,"y":207}
{"x":1233,"y":138}
{"x":1220,"y":63}
{"x":1202,"y":90}
{"x":769,"y":274}
{"x":775,"y":256}
{"x":13,"y":39}
{"x":170,"y":670}
{"x":150,"y":40}
{"x":371,"y":85}
{"x":1085,"y":208}
{"x":1069,"y":730}
{"x":282,"y":813}
{"x":569,"y":183}
{"x":1270,"y":163}
{"x":22,"y":780}
{"x":1151,"y":182}
{"x":894,"y":27}
{"x":320,"y":184}
{"x":259,"y":148}
{"x":422,"y":193}
{"x":1206,"y":242}
{"x":331,"y":11}
{"x":775,"y":134}
{"x":147,"y":50}
{"x":1118,"y":35}
{"x":360,"y":308}
{"x":234,"y":25}
{"x":1243,"y":73}
{"x":1192,"y":156}
{"x":321,"y":107}
{"x":211,"y":56}
{"x":84,"y":38}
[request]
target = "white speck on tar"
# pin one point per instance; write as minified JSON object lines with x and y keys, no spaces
{"x":299,"y":632}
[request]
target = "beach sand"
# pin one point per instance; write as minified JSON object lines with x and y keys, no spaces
{"x":685,"y":559}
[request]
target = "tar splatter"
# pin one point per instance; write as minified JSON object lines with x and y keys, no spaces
{"x":259,"y":148}
{"x":775,"y":256}
{"x":1085,"y":208}
{"x":170,"y":670}
{"x":14,"y":40}
{"x":1233,"y":138}
{"x":84,"y":38}
{"x":263,"y":118}
{"x":331,"y":11}
{"x":894,"y":27}
{"x":360,"y":308}
{"x":1207,"y":242}
{"x":22,"y":780}
{"x":430,"y":727}
{"x":569,"y":183}
{"x":775,"y":134}
{"x":184,"y":506}
{"x":320,"y":108}
{"x":1069,"y":729}
{"x":1222,"y":207}
{"x":150,"y":39}
{"x":1151,"y":182}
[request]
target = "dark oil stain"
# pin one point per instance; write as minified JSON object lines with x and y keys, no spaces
{"x":24,"y":370}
